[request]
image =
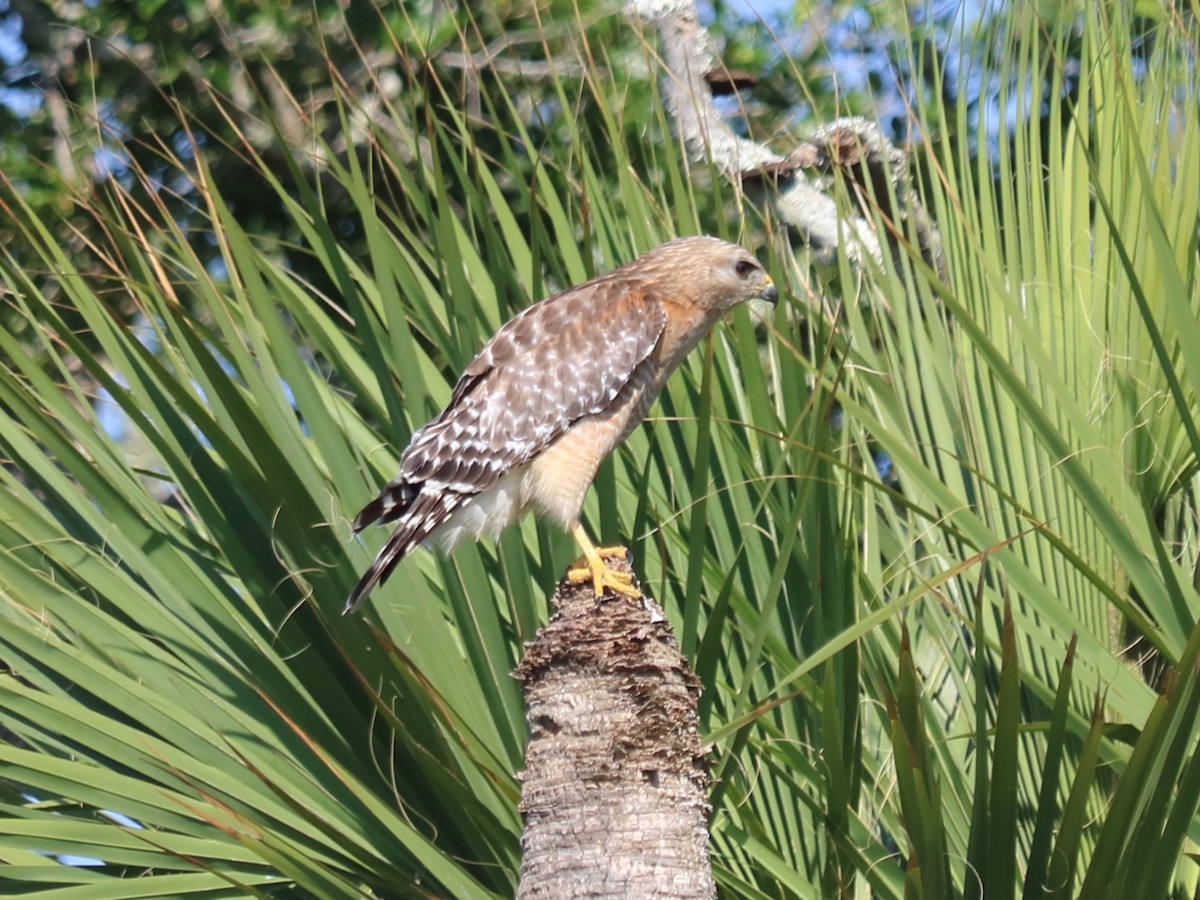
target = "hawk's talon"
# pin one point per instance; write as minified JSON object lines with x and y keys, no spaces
{"x":603,"y":577}
{"x":617,"y":551}
{"x":592,"y":567}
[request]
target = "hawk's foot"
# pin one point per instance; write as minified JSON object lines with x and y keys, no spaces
{"x":603,"y":577}
{"x":592,"y":567}
{"x":618,"y":551}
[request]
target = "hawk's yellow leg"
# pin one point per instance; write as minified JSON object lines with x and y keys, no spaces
{"x":591,"y":567}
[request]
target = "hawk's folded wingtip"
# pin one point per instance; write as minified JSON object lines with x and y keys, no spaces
{"x":359,"y":594}
{"x":368,"y":514}
{"x":353,"y":601}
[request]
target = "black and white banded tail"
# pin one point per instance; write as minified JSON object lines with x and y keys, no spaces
{"x":419,"y":514}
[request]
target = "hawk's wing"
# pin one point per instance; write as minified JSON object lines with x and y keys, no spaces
{"x":554,"y":363}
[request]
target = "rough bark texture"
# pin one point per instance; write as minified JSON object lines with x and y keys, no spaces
{"x":615,"y":782}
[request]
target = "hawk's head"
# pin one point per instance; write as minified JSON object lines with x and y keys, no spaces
{"x":708,"y":273}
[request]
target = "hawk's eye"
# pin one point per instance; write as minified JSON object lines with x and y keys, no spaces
{"x":744,"y":267}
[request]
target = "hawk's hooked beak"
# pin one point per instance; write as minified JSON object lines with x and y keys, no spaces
{"x":770,"y":293}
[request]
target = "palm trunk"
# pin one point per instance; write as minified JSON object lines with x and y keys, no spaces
{"x":614,"y":786}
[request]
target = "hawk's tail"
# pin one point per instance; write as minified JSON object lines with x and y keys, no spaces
{"x":422,"y":514}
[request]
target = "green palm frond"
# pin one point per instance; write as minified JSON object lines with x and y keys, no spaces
{"x":966,"y":674}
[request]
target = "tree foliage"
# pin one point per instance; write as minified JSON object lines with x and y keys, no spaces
{"x":972,"y":675}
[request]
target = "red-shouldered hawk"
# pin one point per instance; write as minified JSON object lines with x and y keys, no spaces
{"x":549,"y":397}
